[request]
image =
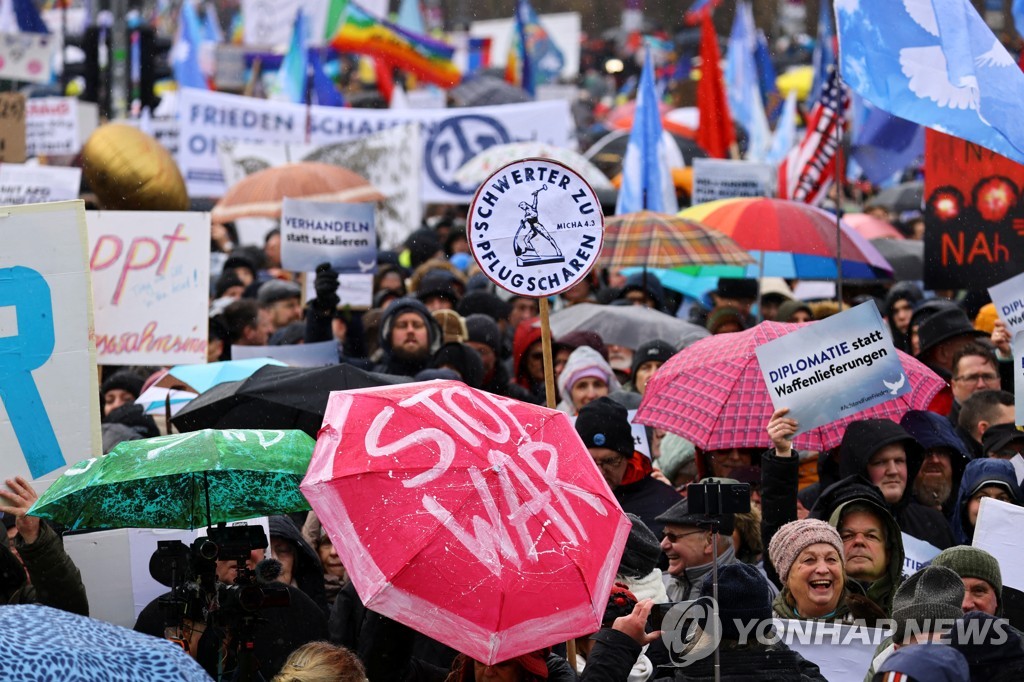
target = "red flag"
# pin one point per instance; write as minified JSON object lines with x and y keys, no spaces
{"x":715,"y":134}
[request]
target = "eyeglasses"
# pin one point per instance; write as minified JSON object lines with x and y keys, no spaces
{"x":610,"y":462}
{"x":988,"y":378}
{"x":676,"y":537}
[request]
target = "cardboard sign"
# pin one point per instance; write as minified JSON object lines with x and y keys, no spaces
{"x":1008,"y":298}
{"x":997,"y":531}
{"x":21,"y":184}
{"x":390,"y":160}
{"x":298,"y":355}
{"x":27,"y":56}
{"x":723,"y":179}
{"x":833,"y":368}
{"x":450,"y":137}
{"x":48,"y":380}
{"x":12,"y":127}
{"x":535,"y":227}
{"x":151,"y":273}
{"x":973,"y":213}
{"x":51,"y":126}
{"x":315,"y":232}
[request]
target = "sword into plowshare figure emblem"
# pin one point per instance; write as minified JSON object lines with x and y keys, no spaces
{"x":530,"y":227}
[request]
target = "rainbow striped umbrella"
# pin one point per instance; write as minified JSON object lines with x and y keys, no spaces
{"x":795,"y":240}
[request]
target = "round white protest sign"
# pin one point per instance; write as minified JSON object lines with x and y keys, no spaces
{"x":535,"y":227}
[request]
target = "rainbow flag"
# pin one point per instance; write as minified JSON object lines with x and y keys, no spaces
{"x":429,"y":59}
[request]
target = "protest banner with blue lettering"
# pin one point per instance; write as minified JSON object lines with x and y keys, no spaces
{"x":833,"y":368}
{"x":451,"y":137}
{"x":315,"y":232}
{"x":916,"y":554}
{"x":151,"y":274}
{"x":48,"y":383}
{"x":1008,"y":298}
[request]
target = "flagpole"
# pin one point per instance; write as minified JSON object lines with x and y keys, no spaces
{"x":839,"y":194}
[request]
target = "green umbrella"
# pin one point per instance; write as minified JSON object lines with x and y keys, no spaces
{"x":183,"y":480}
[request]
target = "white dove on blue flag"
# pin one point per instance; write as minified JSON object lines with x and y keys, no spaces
{"x":934,"y":62}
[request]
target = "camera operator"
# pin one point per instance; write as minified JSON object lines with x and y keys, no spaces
{"x":213,"y":638}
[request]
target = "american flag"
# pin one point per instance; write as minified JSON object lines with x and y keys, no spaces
{"x":810,"y":167}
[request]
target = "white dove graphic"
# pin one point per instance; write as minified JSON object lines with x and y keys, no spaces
{"x":895,"y":386}
{"x":366,"y":267}
{"x":926,"y":66}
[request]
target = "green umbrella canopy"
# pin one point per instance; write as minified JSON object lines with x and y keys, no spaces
{"x":171,"y":481}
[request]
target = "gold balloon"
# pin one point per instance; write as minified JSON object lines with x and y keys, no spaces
{"x":129,"y":171}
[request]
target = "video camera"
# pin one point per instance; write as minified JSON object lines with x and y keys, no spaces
{"x":196,"y":594}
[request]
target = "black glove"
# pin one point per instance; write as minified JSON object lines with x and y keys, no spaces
{"x":326,"y":286}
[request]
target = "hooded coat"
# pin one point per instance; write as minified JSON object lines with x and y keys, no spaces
{"x":392,"y":364}
{"x":863,"y":438}
{"x":582,"y":359}
{"x":901,"y":291}
{"x":830,"y":507}
{"x":977,"y":472}
{"x":527,"y":334}
{"x":934,"y":432}
{"x":307,"y":571}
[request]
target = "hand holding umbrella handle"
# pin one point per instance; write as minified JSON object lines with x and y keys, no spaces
{"x":781,"y":430}
{"x":19,"y":499}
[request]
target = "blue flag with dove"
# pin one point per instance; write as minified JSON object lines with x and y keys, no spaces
{"x":936,"y":63}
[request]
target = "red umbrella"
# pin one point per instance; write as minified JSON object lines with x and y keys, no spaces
{"x":479,"y":521}
{"x":870,"y":227}
{"x":713,"y":394}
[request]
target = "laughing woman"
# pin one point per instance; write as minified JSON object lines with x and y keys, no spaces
{"x":808,"y":555}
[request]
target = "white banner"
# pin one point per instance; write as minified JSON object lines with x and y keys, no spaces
{"x":151,"y":274}
{"x":21,"y":184}
{"x":451,"y":137}
{"x":51,"y":126}
{"x":48,"y":381}
{"x":997,"y":531}
{"x":270,"y":22}
{"x":315,"y":232}
{"x":724,"y":179}
{"x":355,"y":291}
{"x":1008,"y":298}
{"x":27,"y":56}
{"x":387,"y":159}
{"x":916,"y":554}
{"x":316,"y":354}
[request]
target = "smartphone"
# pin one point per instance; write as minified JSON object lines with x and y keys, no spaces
{"x":658,"y":612}
{"x":715,"y":499}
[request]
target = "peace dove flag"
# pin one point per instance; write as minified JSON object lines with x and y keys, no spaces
{"x":934,"y":62}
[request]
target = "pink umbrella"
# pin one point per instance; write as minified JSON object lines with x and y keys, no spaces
{"x":713,"y":394}
{"x":479,"y":521}
{"x":870,"y":227}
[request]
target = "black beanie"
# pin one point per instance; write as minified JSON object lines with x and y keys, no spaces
{"x":603,"y":423}
{"x":126,"y":380}
{"x":652,"y":351}
{"x":743,"y":595}
{"x":482,"y":329}
{"x":642,"y":551}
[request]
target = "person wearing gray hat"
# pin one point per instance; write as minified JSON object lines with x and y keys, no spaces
{"x":281,"y":301}
{"x":691,"y":551}
{"x":981,"y":575}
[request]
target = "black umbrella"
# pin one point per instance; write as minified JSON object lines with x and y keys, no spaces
{"x":906,"y":256}
{"x":906,"y":196}
{"x":276,"y":398}
{"x":487,"y":91}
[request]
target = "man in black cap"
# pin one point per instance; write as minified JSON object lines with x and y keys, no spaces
{"x":485,"y":338}
{"x":941,"y":335}
{"x":646,"y":361}
{"x":603,"y":425}
{"x":1003,"y":441}
{"x":282,"y":302}
{"x":691,"y":550}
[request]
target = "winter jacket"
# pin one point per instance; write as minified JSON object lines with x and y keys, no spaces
{"x":934,"y":432}
{"x":752,"y":662}
{"x":687,"y":586}
{"x":392,"y":364}
{"x":862,"y":440}
{"x":54,"y":579}
{"x":977,"y":472}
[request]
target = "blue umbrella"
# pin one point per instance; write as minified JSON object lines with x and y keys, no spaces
{"x":42,"y":643}
{"x":204,"y":377}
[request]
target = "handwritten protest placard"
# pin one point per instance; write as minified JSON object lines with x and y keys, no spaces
{"x":27,"y":56}
{"x":51,"y":126}
{"x":723,"y":179}
{"x":315,"y":232}
{"x":833,"y":368}
{"x":1008,"y":298}
{"x":151,"y":273}
{"x":21,"y":184}
{"x":12,"y":127}
{"x":48,"y":381}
